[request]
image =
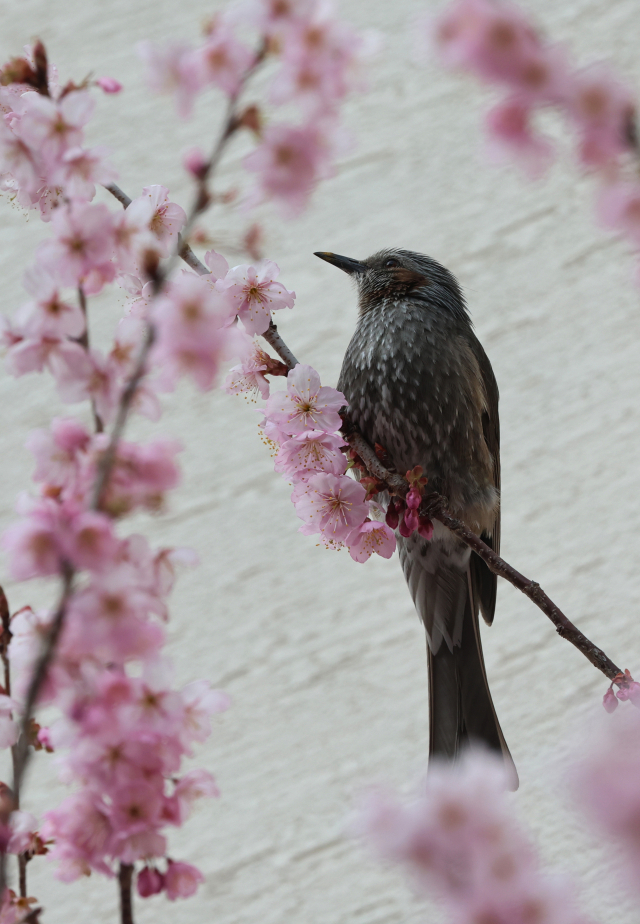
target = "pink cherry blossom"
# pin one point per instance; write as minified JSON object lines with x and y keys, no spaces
{"x":216,"y":263}
{"x":163,"y":218}
{"x":181,"y":880}
{"x":51,"y":127}
{"x":602,"y":109}
{"x":8,"y":727}
{"x":306,"y":405}
{"x":34,"y":543}
{"x":83,"y":242}
{"x":81,"y":832}
{"x":331,"y":505}
{"x":289,"y":162}
{"x":57,"y":451}
{"x":459,"y":841}
{"x":320,"y":60}
{"x":254,"y":293}
{"x":174,"y":68}
{"x":24,"y":827}
{"x":371,"y":536}
{"x":619,"y":208}
{"x":48,"y":314}
{"x":249,"y":377}
{"x":223,"y":60}
{"x":511,"y":134}
{"x":308,"y":453}
{"x":606,"y":780}
{"x":81,"y":170}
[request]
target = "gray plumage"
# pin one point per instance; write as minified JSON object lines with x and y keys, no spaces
{"x":419,"y":383}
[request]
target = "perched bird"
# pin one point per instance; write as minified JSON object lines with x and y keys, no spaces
{"x":419,"y":383}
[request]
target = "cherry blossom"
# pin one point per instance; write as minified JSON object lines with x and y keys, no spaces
{"x":254,"y":293}
{"x":619,"y":208}
{"x":331,"y":505}
{"x":248,"y":377}
{"x":458,"y":839}
{"x":181,"y":880}
{"x":308,"y":453}
{"x":81,"y":170}
{"x":223,"y":60}
{"x":306,"y":404}
{"x":371,"y":536}
{"x":83,"y":244}
{"x":174,"y":68}
{"x":163,"y":218}
{"x":511,"y":134}
{"x":52,"y":127}
{"x":289,"y":162}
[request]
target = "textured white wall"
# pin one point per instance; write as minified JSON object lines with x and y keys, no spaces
{"x":325,"y":658}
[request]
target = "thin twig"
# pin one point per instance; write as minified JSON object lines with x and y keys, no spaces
{"x":434,"y":506}
{"x":83,"y":340}
{"x":22,"y":874}
{"x":125,"y":877}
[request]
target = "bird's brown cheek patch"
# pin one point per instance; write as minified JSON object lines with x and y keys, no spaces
{"x":406,"y":280}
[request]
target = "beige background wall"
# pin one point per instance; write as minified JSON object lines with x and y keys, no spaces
{"x":324,"y":658}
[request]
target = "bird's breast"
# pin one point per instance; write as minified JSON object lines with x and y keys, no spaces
{"x":414,"y":386}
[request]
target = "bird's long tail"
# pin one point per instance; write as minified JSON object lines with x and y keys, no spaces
{"x":461,"y":709}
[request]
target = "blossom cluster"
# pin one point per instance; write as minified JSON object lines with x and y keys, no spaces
{"x":459,"y":840}
{"x":303,"y":422}
{"x":319,"y":62}
{"x":123,"y":727}
{"x":606,"y":785}
{"x":496,"y":42}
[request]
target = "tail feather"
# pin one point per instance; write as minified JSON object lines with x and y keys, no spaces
{"x":461,"y":710}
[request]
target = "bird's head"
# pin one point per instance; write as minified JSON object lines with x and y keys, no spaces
{"x":396,"y":275}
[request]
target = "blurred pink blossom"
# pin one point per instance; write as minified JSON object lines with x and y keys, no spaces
{"x":174,"y":68}
{"x":163,"y":218}
{"x":181,"y":880}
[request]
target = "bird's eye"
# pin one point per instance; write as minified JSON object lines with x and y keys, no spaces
{"x":391,"y":262}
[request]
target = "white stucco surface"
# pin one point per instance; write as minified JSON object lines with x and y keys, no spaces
{"x":324,"y":658}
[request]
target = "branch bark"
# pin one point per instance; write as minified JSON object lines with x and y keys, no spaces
{"x":125,"y":877}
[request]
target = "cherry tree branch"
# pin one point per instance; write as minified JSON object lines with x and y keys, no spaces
{"x":125,"y":877}
{"x":434,"y":506}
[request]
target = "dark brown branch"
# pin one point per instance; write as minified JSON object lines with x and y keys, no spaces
{"x":125,"y":877}
{"x":22,"y":874}
{"x":434,"y":506}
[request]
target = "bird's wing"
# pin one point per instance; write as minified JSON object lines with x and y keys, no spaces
{"x":484,"y":582}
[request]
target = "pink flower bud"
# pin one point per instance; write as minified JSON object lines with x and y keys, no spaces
{"x":392,"y":516}
{"x":413,"y":498}
{"x":150,"y":882}
{"x":195,"y":162}
{"x":109,"y":84}
{"x":609,"y":701}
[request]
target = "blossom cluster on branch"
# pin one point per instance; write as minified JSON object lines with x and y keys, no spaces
{"x":319,"y":61}
{"x":497,"y":42}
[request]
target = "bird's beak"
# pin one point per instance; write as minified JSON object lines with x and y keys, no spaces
{"x":344,"y":263}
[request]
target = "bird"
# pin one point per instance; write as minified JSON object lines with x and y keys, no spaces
{"x":419,"y":383}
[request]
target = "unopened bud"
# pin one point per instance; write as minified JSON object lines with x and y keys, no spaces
{"x":195,"y":162}
{"x":109,"y":84}
{"x":609,"y":701}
